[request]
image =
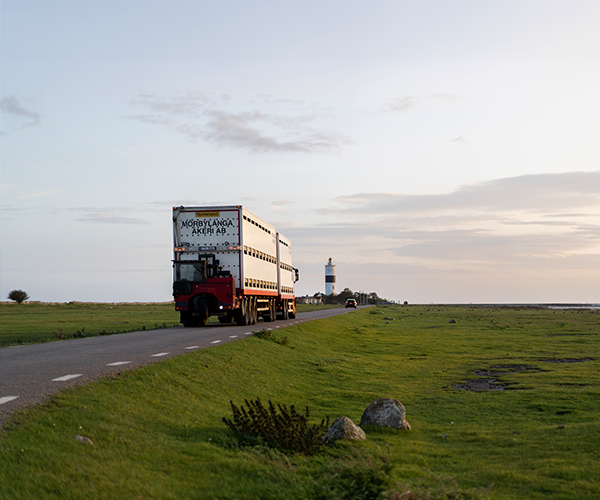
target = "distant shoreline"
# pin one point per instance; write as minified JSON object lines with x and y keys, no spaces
{"x":557,"y":305}
{"x":550,"y":305}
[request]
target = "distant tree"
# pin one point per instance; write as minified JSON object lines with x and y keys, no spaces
{"x":18,"y":296}
{"x":345,"y":295}
{"x":373,"y":298}
{"x":330,"y":299}
{"x":368,"y":298}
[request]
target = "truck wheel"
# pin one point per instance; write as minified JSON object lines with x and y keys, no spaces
{"x":273,"y":310}
{"x":242,"y":320}
{"x":254,"y":312}
{"x":201,"y":310}
{"x":244,"y":317}
{"x":270,"y":316}
{"x":187,"y":319}
{"x":286,"y":312}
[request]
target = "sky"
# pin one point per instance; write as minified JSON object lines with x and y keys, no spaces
{"x":438,"y":152}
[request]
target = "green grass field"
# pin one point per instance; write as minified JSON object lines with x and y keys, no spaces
{"x":157,"y":432}
{"x":32,"y":322}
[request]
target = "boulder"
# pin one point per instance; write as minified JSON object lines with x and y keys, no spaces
{"x":84,"y":439}
{"x":344,"y":428}
{"x":385,"y":412}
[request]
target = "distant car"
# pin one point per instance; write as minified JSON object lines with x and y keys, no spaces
{"x":351,"y":303}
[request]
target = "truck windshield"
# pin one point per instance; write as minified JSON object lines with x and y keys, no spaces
{"x":190,"y":271}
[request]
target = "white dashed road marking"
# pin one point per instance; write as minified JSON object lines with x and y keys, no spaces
{"x":193,"y":347}
{"x":248,"y":333}
{"x":215,"y":341}
{"x":233,"y":336}
{"x":118,"y":363}
{"x":66,"y":377}
{"x":160,"y":354}
{"x":7,"y":399}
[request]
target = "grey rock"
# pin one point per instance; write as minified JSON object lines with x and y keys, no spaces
{"x":344,"y":428}
{"x":84,"y":439}
{"x":385,"y":412}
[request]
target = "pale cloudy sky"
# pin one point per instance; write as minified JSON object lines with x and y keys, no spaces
{"x":437,"y":151}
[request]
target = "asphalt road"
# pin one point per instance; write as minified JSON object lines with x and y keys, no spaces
{"x":32,"y":373}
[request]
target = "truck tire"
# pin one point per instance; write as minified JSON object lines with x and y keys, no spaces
{"x":253,"y":312}
{"x":202,"y":310}
{"x":243,"y":318}
{"x":283,"y":313}
{"x":270,"y":316}
{"x":187,"y":319}
{"x":286,"y":310}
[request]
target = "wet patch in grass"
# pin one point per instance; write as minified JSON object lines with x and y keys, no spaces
{"x":480,"y":384}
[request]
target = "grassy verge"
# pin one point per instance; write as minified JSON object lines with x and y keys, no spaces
{"x":314,"y":307}
{"x":31,"y":323}
{"x":157,"y":432}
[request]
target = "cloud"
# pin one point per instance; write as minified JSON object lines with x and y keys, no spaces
{"x":108,"y":218}
{"x":152,"y":119}
{"x":11,"y":105}
{"x":202,"y":117}
{"x":271,"y":99}
{"x":280,"y":205}
{"x":458,"y":139}
{"x":110,"y":215}
{"x":509,"y":230}
{"x":477,"y":246}
{"x":35,"y":195}
{"x":187,"y":103}
{"x":407,"y":103}
{"x":539,"y":193}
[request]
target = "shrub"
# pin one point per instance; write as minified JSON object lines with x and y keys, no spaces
{"x":285,"y":429}
{"x":268,"y":335}
{"x":18,"y":296}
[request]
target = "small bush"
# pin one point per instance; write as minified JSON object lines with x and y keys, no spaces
{"x":268,"y":335}
{"x":280,"y":427}
{"x":18,"y":296}
{"x":79,"y":334}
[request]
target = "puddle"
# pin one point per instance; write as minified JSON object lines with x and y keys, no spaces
{"x":489,"y":382}
{"x":479,"y":385}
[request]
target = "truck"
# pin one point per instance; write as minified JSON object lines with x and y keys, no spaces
{"x":230,"y":263}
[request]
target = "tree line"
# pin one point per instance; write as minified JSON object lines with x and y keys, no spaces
{"x":346,"y":293}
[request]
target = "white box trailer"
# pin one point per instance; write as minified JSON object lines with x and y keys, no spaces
{"x":230,"y":263}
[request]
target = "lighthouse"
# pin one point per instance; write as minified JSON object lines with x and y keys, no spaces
{"x":329,"y":278}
